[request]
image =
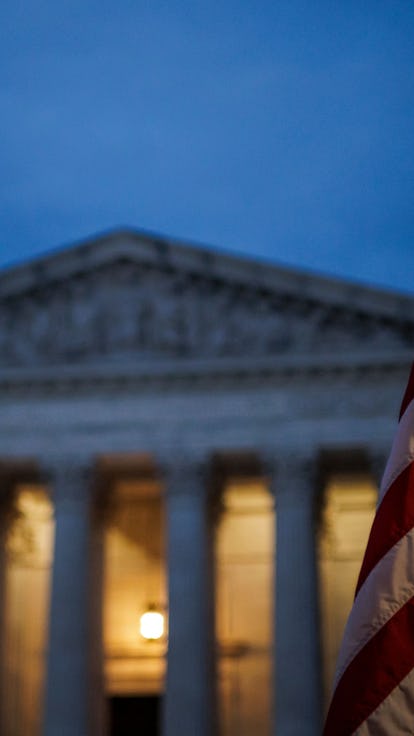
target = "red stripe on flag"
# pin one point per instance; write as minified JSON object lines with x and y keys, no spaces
{"x":394,"y":518}
{"x":373,"y":674}
{"x":409,"y":392}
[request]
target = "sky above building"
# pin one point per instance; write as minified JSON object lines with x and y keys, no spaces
{"x":280,"y":130}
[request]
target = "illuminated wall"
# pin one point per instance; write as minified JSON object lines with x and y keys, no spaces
{"x":347,"y":517}
{"x":134,"y":577}
{"x":27,"y":580}
{"x":244,"y":578}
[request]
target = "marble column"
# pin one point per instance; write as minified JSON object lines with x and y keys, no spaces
{"x":297,"y":670}
{"x":66,"y":708}
{"x":189,"y":703}
{"x":98,"y":711}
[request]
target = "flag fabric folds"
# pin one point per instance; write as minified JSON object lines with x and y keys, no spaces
{"x":374,"y":683}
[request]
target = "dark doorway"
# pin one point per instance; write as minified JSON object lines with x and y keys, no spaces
{"x":132,"y":714}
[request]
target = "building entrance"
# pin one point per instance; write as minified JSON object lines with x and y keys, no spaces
{"x":129,"y":715}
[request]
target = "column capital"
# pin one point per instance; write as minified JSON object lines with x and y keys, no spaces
{"x":291,"y":475}
{"x":185,"y":475}
{"x":69,"y":478}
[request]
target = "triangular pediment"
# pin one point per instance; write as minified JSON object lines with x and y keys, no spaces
{"x":132,"y":297}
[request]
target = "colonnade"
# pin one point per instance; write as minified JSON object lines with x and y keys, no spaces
{"x":189,"y":708}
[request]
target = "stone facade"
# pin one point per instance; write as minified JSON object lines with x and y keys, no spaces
{"x":129,"y":346}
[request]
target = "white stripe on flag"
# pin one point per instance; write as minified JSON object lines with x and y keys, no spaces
{"x":387,"y":588}
{"x":402,"y":451}
{"x":395,"y":715}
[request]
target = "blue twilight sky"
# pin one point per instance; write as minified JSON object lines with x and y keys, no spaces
{"x":282,"y":129}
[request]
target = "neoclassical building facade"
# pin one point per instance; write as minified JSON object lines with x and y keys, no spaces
{"x":197,"y":436}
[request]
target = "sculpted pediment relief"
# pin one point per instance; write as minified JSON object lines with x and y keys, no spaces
{"x":127,"y":309}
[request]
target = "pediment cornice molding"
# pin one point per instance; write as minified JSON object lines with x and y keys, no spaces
{"x":172,"y":256}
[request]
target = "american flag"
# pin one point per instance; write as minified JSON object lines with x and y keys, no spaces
{"x":374,"y":684}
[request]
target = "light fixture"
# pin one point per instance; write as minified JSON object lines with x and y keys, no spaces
{"x":151,"y":624}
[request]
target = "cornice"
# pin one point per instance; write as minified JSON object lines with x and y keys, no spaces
{"x":191,"y":374}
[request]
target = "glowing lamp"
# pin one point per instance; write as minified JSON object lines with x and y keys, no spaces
{"x":151,"y":624}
